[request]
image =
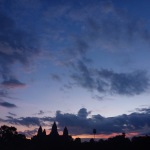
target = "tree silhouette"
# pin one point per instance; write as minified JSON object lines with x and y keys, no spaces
{"x":7,"y":133}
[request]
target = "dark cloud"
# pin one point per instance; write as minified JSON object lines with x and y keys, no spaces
{"x":25,"y":121}
{"x":41,"y":112}
{"x":105,"y":28}
{"x":102,"y":24}
{"x":28,"y":121}
{"x":13,"y":83}
{"x":134,"y":122}
{"x":9,"y":117}
{"x":7,"y":105}
{"x":115,"y":29}
{"x":82,"y":125}
{"x":108,"y":81}
{"x":132,"y":83}
{"x":84,"y":76}
{"x":73,"y":122}
{"x":12,"y":114}
{"x":56,"y":77}
{"x":81,"y":47}
{"x":83,"y":113}
{"x":143,"y":110}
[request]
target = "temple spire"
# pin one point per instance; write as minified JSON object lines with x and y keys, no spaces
{"x":40,"y":133}
{"x":54,"y":132}
{"x":65,"y":132}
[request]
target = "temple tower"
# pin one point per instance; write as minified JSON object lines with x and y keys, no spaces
{"x":54,"y":132}
{"x":65,"y":132}
{"x":40,"y":132}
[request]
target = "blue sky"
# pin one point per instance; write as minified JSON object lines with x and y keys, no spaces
{"x":83,"y":64}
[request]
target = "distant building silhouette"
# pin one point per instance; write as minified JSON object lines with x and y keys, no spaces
{"x":53,"y":136}
{"x":40,"y":132}
{"x":65,"y":132}
{"x":44,"y":132}
{"x":54,"y":132}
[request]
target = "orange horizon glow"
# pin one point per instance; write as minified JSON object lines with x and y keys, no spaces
{"x":103,"y":136}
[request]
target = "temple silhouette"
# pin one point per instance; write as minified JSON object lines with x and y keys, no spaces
{"x":53,"y":136}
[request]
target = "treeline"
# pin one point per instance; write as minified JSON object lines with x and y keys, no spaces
{"x":11,"y":140}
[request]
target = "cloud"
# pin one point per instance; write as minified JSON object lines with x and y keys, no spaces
{"x":84,"y":78}
{"x":82,"y":123}
{"x":103,"y":26}
{"x":116,"y":30}
{"x":7,"y":105}
{"x":12,"y":114}
{"x":108,"y":81}
{"x":56,"y":77}
{"x":83,"y":113}
{"x":131,"y":83}
{"x":13,"y":83}
{"x":41,"y":112}
{"x":16,"y":45}
{"x":73,"y":122}
{"x":28,"y":121}
{"x":98,"y":22}
{"x":143,"y":110}
{"x":112,"y":29}
{"x":134,"y":122}
{"x":9,"y":117}
{"x":25,"y":121}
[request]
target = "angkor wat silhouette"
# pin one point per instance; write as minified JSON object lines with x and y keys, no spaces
{"x":53,"y":135}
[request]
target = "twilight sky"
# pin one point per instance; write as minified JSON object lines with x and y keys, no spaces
{"x":81,"y":63}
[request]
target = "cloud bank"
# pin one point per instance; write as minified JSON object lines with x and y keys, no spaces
{"x":84,"y":123}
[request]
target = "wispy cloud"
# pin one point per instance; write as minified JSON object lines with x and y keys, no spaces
{"x":16,"y":45}
{"x":102,"y":27}
{"x":41,"y":112}
{"x":56,"y":77}
{"x":12,"y":83}
{"x":7,"y":105}
{"x":108,"y":81}
{"x":12,"y":114}
{"x":28,"y":121}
